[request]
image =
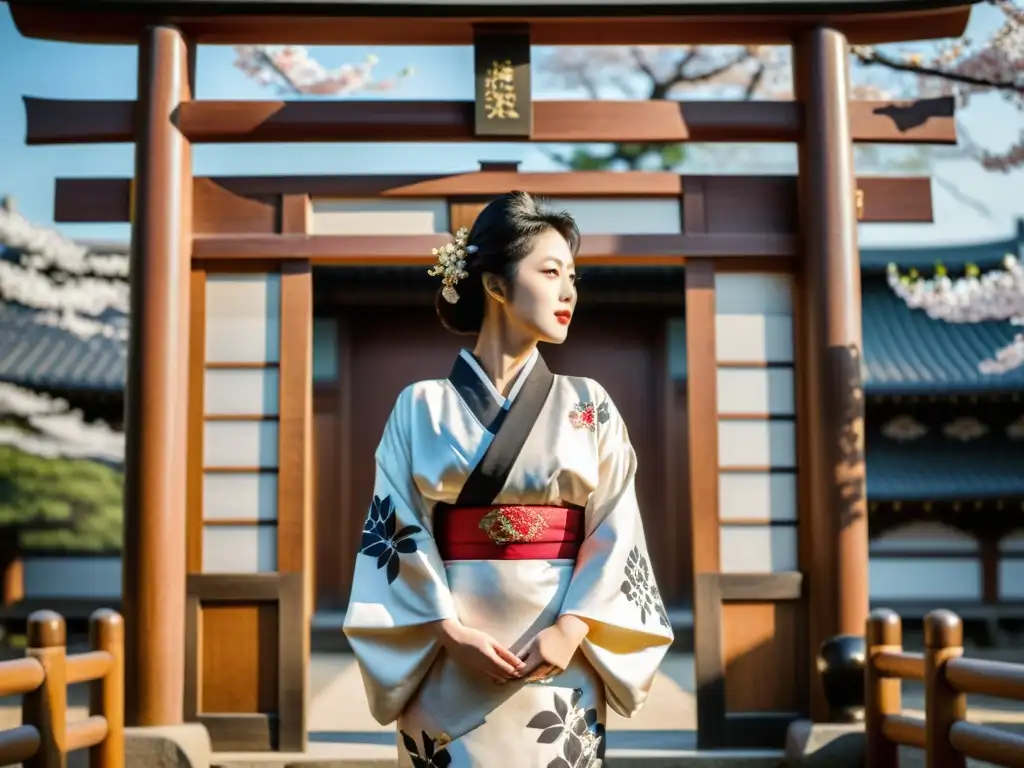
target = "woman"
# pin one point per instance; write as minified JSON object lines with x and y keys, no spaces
{"x":502,"y":595}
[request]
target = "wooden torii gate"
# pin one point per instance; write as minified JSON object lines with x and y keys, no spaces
{"x":186,"y":658}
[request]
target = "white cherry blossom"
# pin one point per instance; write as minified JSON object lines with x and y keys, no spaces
{"x":997,"y":295}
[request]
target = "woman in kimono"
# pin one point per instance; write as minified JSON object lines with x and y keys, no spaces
{"x":503,"y":596}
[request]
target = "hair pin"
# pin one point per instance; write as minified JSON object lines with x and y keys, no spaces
{"x":451,"y":264}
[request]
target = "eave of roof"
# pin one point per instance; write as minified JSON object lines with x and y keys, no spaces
{"x":935,"y":467}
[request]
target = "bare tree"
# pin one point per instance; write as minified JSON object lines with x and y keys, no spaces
{"x":658,"y":72}
{"x":961,"y":68}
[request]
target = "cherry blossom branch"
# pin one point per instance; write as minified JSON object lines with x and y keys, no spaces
{"x":47,"y":248}
{"x":294,"y":71}
{"x":56,"y":429}
{"x":993,"y":296}
{"x":994,"y":65}
{"x":72,"y":287}
{"x":869,"y":56}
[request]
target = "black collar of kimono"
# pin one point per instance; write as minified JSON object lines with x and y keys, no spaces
{"x":511,"y":430}
{"x":479,"y":398}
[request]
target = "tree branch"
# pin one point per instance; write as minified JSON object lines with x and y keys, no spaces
{"x":869,"y":56}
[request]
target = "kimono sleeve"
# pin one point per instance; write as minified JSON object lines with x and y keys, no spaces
{"x":613,"y":587}
{"x":399,"y":585}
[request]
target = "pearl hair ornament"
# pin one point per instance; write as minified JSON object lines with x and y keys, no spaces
{"x":451,"y":264}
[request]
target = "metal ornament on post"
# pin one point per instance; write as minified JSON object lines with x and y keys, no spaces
{"x":841,"y":664}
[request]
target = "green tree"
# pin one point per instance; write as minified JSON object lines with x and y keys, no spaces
{"x":59,"y":503}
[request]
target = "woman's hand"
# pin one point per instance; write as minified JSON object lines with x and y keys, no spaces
{"x":478,"y":650}
{"x":551,"y":650}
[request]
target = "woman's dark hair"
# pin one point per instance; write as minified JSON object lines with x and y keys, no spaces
{"x":503,"y":233}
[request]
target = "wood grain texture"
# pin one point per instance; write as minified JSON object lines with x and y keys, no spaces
{"x":58,"y":121}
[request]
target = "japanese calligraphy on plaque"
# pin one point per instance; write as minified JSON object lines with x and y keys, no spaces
{"x":500,"y":91}
{"x":503,"y":106}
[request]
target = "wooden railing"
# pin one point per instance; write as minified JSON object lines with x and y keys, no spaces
{"x":45,"y":737}
{"x":944,"y":734}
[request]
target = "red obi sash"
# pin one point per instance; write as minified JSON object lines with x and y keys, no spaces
{"x":510,"y":532}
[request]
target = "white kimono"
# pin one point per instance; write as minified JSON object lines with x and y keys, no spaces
{"x":557,"y":441}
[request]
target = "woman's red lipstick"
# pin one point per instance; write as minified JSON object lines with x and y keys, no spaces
{"x":564,"y":316}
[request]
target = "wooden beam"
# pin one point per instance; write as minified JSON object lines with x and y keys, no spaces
{"x":407,"y":250}
{"x":593,"y":24}
{"x":248,"y":204}
{"x":76,"y":121}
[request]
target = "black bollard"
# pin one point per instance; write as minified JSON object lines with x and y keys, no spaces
{"x":841,"y":661}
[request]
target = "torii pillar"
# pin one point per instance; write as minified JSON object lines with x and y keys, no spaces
{"x":157,"y":388}
{"x":832,"y":377}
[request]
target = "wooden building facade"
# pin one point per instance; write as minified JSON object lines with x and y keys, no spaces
{"x":943,"y":442}
{"x":762,"y":447}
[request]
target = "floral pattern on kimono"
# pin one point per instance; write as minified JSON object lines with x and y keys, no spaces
{"x":458,"y":442}
{"x":581,"y":735}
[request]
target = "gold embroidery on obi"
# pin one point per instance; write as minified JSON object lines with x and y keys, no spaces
{"x":507,"y":525}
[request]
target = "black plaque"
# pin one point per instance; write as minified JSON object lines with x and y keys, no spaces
{"x":501,"y":64}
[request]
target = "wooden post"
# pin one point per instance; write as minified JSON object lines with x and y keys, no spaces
{"x":106,"y":695}
{"x":156,"y":390}
{"x":46,"y":707}
{"x":882,"y":696}
{"x":943,"y":706}
{"x":833,"y":414}
{"x":12,"y":569}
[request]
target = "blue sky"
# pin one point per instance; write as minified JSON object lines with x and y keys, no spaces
{"x":61,"y":70}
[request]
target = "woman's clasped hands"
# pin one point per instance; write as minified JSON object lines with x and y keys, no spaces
{"x":479,"y":651}
{"x":547,"y":654}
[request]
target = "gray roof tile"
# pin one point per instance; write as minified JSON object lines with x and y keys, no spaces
{"x":936,"y":467}
{"x":43,"y":356}
{"x":908,"y":352}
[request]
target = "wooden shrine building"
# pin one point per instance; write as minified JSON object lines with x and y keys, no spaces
{"x":763,"y":446}
{"x":943,"y":442}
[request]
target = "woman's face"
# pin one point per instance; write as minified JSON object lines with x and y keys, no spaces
{"x":544,"y":290}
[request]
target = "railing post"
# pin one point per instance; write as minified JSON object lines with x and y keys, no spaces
{"x":46,"y":707}
{"x":106,"y":695}
{"x":882,"y":695}
{"x":943,"y":706}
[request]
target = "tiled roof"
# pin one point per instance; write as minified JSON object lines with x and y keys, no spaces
{"x":908,"y":352}
{"x":44,"y":356}
{"x":936,"y":467}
